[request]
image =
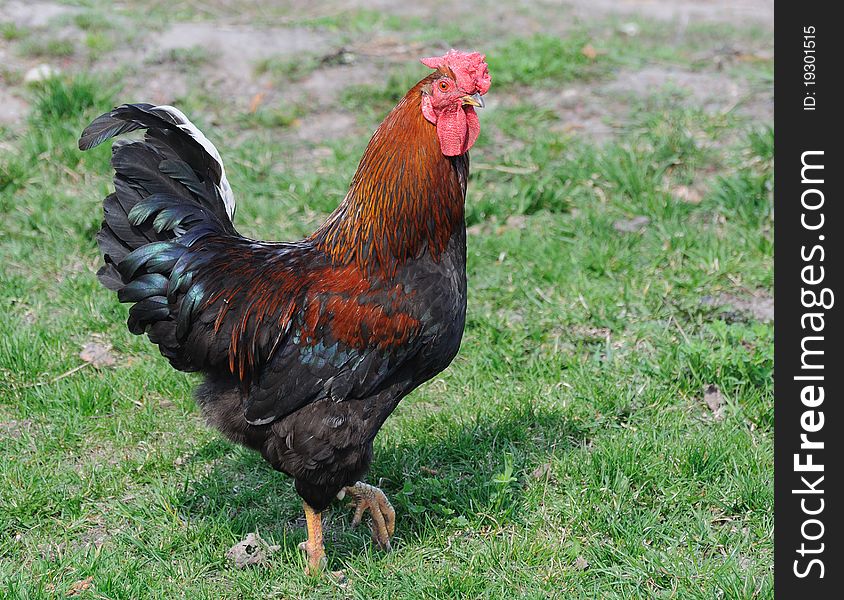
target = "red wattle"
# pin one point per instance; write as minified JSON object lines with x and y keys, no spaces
{"x":473,"y":125}
{"x":457,"y":130}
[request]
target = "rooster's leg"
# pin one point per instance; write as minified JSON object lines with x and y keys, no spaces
{"x":383,"y":515}
{"x":313,"y":547}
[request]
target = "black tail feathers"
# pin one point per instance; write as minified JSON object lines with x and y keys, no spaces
{"x":170,"y":191}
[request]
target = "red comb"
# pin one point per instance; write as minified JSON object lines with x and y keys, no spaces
{"x":469,"y":68}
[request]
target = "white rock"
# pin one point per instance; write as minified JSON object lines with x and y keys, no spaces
{"x":629,"y":29}
{"x":40,"y":73}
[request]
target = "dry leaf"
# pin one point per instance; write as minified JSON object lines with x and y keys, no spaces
{"x":252,"y":550}
{"x":687,"y":194}
{"x":542,"y":471}
{"x":634,"y":225}
{"x":715,"y":401}
{"x":476,"y":229}
{"x":515,"y":222}
{"x":256,"y":101}
{"x":80,"y":586}
{"x":98,"y":354}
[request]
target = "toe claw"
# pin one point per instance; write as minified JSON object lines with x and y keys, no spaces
{"x":383,"y":515}
{"x":359,"y":509}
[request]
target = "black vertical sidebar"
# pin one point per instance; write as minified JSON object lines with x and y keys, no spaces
{"x":809,"y":428}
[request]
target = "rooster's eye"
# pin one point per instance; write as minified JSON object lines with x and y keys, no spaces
{"x":444,"y":85}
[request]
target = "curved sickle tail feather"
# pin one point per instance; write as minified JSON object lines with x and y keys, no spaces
{"x":170,"y":191}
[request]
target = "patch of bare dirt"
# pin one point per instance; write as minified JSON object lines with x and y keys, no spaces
{"x":711,"y":91}
{"x":325,"y":126}
{"x":599,"y":110}
{"x":13,"y":428}
{"x":12,"y":109}
{"x":759,"y":306}
{"x":580,"y":109}
{"x":236,"y":49}
{"x":509,"y":17}
{"x":95,"y":537}
{"x":721,"y":11}
{"x":228,"y":56}
{"x":323,"y":87}
{"x":690,"y":194}
{"x":163,"y":84}
{"x":230,"y":73}
{"x":33,"y":14}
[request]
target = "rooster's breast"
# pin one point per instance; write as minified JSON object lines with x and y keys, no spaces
{"x":438,"y":292}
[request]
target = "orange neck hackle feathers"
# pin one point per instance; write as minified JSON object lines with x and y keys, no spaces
{"x":408,"y":192}
{"x":404,"y":196}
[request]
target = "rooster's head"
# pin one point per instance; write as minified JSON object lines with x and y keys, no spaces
{"x":450,"y":97}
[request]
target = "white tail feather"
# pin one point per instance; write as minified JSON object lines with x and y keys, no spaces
{"x":185,"y":125}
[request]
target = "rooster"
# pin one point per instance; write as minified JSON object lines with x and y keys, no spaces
{"x":306,"y":347}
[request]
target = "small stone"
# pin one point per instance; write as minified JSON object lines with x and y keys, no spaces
{"x":629,"y":29}
{"x":42,"y":72}
{"x":634,"y":225}
{"x":715,"y":401}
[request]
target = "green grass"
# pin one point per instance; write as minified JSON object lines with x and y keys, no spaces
{"x":92,"y":21}
{"x":287,"y":69}
{"x":270,"y":117}
{"x":99,"y":43}
{"x":47,"y":47}
{"x":362,"y":20}
{"x":192,"y":57}
{"x":567,"y":452}
{"x":372,"y":100}
{"x":545,"y":59}
{"x":10,"y":32}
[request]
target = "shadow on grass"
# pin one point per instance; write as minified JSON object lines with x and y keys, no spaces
{"x":471,"y":471}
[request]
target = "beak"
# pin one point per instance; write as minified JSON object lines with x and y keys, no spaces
{"x":473,"y":100}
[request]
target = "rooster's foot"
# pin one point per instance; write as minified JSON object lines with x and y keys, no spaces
{"x":317,"y":562}
{"x":369,"y":497}
{"x":316,"y":559}
{"x":314,"y":549}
